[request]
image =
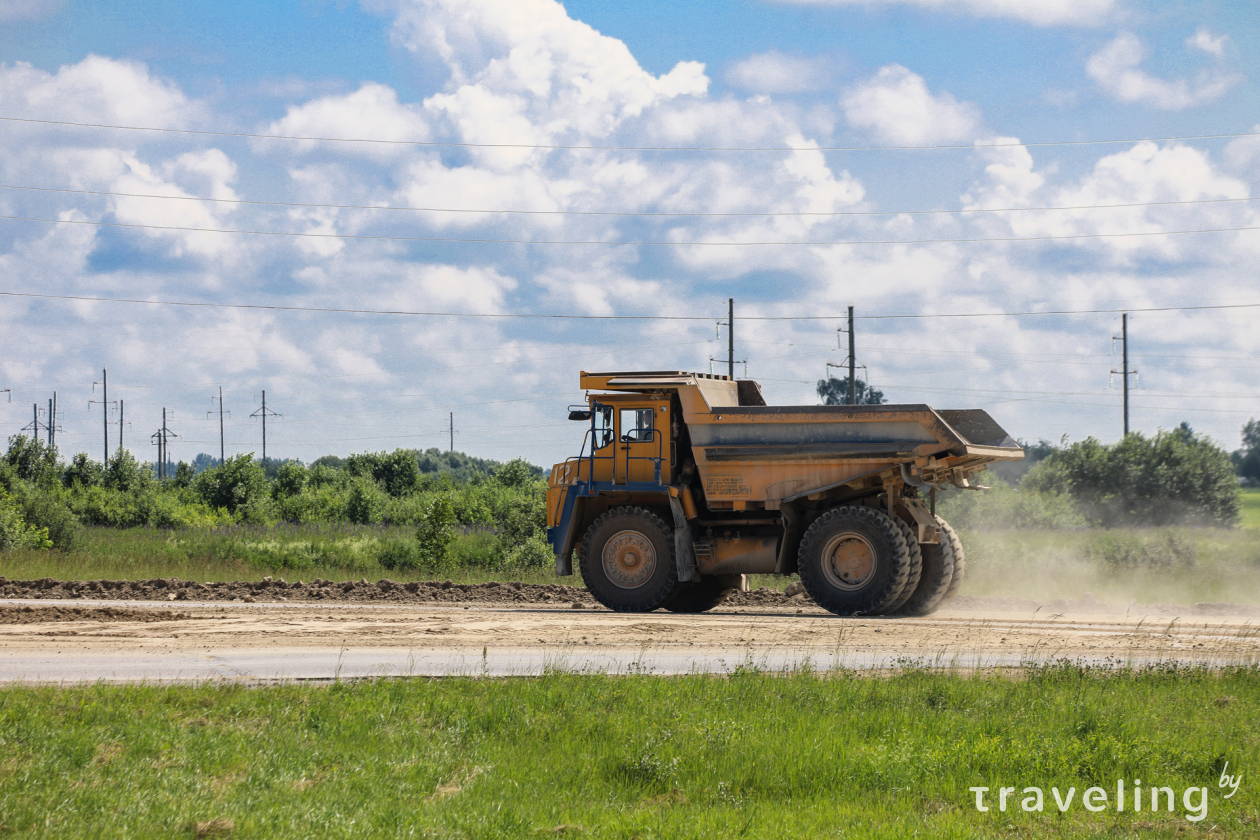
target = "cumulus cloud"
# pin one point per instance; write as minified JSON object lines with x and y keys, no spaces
{"x":97,"y":89}
{"x":1116,"y":69}
{"x":896,"y":106}
{"x":1036,"y":12}
{"x":776,"y":72}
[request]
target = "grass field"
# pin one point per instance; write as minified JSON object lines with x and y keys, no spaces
{"x":1250,"y":509}
{"x":753,"y":755}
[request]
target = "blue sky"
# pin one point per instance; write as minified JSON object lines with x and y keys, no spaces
{"x":789,"y":73}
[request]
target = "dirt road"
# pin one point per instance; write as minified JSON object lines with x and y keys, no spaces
{"x":72,"y":640}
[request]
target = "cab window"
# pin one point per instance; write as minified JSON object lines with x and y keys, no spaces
{"x":637,"y":424}
{"x":603,"y":426}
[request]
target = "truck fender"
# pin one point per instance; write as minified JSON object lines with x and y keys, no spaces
{"x":684,"y":551}
{"x":793,"y":531}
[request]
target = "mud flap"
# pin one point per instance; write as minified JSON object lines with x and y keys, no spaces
{"x":683,"y":550}
{"x":927,"y":530}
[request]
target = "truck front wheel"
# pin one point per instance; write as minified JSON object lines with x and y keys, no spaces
{"x":854,"y":560}
{"x":627,"y":560}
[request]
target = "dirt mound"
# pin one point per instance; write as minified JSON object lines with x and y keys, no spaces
{"x":43,"y":615}
{"x":349,"y":591}
{"x":269,"y":590}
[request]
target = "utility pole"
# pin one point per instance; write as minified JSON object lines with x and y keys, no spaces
{"x":852,"y":363}
{"x":1124,"y":371}
{"x":263,"y":412}
{"x":50,"y":423}
{"x":120,"y":428}
{"x":104,"y":403}
{"x":222,"y":450}
{"x":730,"y":338}
{"x":161,"y":441}
{"x":452,"y":449}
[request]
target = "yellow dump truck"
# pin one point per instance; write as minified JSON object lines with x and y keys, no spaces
{"x":688,"y":482}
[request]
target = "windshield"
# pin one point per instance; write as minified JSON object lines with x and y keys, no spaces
{"x":636,"y":424}
{"x":603,"y":425}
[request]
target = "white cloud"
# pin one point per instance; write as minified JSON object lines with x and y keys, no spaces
{"x":1036,"y":12}
{"x":1115,"y":68}
{"x":776,"y":72}
{"x":14,"y":10}
{"x":1204,"y":40}
{"x":96,"y":89}
{"x":897,"y":107}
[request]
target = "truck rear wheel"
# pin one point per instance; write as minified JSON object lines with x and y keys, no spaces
{"x":916,"y":566}
{"x":702,"y":596}
{"x":627,"y":560}
{"x":960,"y":559}
{"x":854,"y":560}
{"x":939,"y":566}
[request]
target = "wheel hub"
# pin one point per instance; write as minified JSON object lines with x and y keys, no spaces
{"x":629,"y":559}
{"x":849,"y":561}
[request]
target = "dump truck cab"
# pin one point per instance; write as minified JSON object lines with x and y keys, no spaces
{"x":687,"y":482}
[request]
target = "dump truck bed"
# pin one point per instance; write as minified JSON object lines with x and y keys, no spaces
{"x":770,"y":454}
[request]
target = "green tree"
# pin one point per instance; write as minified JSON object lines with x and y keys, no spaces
{"x":1247,"y":459}
{"x":236,"y":485}
{"x":33,"y":461}
{"x":126,"y":474}
{"x":834,"y":391}
{"x":364,"y":503}
{"x":290,"y":480}
{"x":83,"y":471}
{"x":1176,"y":477}
{"x":436,"y":533}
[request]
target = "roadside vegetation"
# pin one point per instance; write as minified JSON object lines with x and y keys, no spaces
{"x":369,"y":513}
{"x":754,"y":755}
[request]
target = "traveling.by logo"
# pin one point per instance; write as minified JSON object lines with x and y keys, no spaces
{"x":1194,"y":800}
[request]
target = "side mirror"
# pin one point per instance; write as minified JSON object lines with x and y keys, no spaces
{"x":580,"y":415}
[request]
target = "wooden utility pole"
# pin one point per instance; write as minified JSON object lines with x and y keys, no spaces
{"x":1124,"y":369}
{"x":730,"y":338}
{"x":852,"y":363}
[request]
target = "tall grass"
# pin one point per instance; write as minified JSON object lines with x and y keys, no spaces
{"x":753,"y":755}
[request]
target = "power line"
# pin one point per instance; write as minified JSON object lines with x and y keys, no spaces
{"x":559,"y":147}
{"x":618,"y":213}
{"x":625,"y":242}
{"x":557,"y":316}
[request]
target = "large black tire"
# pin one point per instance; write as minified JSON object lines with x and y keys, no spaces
{"x":960,"y":558}
{"x":627,"y":560}
{"x":703,"y":595}
{"x":939,"y":564}
{"x":854,"y":560}
{"x":916,"y":566}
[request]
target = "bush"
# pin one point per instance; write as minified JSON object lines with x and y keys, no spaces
{"x":1166,"y":550}
{"x":314,"y":504}
{"x":125,"y":473}
{"x":290,"y":480}
{"x":14,"y":531}
{"x":364,"y":503}
{"x":1176,"y":477}
{"x":83,"y":471}
{"x":45,"y":509}
{"x":396,"y":472}
{"x":239,"y":486}
{"x":399,"y":555}
{"x":534,"y":553}
{"x":32,"y":461}
{"x":436,"y":533}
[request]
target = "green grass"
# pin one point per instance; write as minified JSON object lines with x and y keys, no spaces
{"x":1250,"y":509}
{"x":245,"y":552}
{"x":753,"y":755}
